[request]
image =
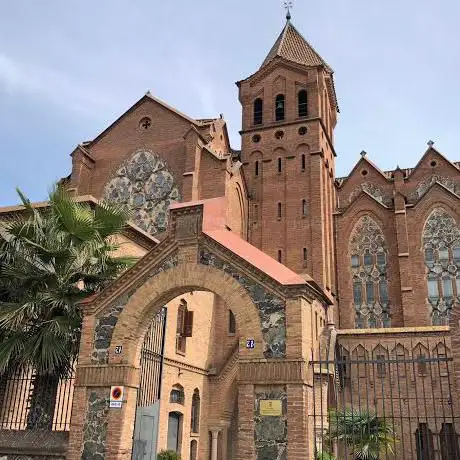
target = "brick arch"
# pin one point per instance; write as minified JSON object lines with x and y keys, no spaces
{"x":136,"y":316}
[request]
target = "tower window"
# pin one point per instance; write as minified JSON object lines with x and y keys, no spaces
{"x":256,"y":213}
{"x":303,"y":162}
{"x":304,"y":208}
{"x":280,"y":256}
{"x":280,"y":165}
{"x":305,"y":256}
{"x":258,"y":111}
{"x":256,"y":168}
{"x":279,"y":107}
{"x":303,"y":103}
{"x":279,"y":210}
{"x":231,"y":322}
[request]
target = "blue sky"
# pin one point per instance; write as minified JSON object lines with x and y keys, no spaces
{"x":68,"y":69}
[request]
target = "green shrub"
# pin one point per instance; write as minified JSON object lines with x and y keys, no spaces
{"x":168,"y":455}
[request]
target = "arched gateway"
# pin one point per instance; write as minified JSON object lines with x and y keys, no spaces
{"x":273,"y":307}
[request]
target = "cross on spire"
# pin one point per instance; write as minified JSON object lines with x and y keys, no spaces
{"x":287,"y":7}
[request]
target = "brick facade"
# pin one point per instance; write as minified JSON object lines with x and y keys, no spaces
{"x":278,"y":197}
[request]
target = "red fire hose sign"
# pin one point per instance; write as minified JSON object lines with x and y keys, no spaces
{"x":116,"y":396}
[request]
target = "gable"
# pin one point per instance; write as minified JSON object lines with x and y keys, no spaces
{"x":433,"y":162}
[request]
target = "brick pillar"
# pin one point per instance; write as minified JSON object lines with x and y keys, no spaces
{"x":96,"y":429}
{"x":245,"y":442}
{"x":298,"y":436}
{"x":402,"y":317}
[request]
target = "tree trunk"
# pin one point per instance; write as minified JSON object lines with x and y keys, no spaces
{"x":42,"y":402}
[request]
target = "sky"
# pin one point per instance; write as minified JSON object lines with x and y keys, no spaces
{"x":70,"y":68}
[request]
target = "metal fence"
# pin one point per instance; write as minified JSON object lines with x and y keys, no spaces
{"x":32,"y":402}
{"x":387,"y":401}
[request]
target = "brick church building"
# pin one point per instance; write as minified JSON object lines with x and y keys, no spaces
{"x":269,"y":291}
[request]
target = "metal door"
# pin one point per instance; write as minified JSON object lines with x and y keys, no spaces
{"x":148,"y":396}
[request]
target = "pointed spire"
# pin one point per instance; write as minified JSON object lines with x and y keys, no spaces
{"x":292,"y":46}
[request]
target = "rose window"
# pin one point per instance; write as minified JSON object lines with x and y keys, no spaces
{"x":144,"y":185}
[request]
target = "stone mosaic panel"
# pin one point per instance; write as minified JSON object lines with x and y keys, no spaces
{"x":271,"y":308}
{"x":369,"y":260}
{"x":441,"y":244}
{"x":270,"y":432}
{"x":95,"y":429}
{"x":424,"y":185}
{"x":106,"y":324}
{"x":373,"y":190}
{"x":145,"y":186}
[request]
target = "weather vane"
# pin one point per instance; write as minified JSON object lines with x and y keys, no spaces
{"x":287,"y":7}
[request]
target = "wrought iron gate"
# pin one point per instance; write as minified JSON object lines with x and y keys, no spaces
{"x":385,"y":401}
{"x":148,"y":396}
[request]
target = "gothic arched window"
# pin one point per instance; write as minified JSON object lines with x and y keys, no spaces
{"x":303,"y":103}
{"x":441,"y":246}
{"x":177,"y":395}
{"x":258,"y":111}
{"x":279,"y":107}
{"x":369,"y":260}
{"x":195,"y":416}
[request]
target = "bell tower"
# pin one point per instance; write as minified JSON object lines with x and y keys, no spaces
{"x":290,"y":110}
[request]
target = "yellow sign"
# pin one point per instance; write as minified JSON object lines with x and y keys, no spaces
{"x":271,"y":407}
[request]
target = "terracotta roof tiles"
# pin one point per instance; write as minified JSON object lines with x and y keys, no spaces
{"x":291,"y":45}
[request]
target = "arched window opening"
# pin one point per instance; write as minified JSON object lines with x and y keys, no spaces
{"x":195,"y":416}
{"x":231,"y":322}
{"x":441,"y":248}
{"x":279,"y":107}
{"x":258,"y":111}
{"x":369,"y":265}
{"x":401,"y":355}
{"x":303,"y":103}
{"x":303,"y":162}
{"x":280,"y":165}
{"x":280,"y":256}
{"x":184,"y":326}
{"x":381,"y":361}
{"x":304,"y":208}
{"x":424,"y":442}
{"x":177,"y":395}
{"x":421,"y":354}
{"x":305,"y":254}
{"x":361,"y":359}
{"x":256,"y":168}
{"x":449,"y":442}
{"x":194,"y":450}
{"x":279,"y":210}
{"x":175,"y":431}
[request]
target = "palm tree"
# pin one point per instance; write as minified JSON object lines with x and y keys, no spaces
{"x":49,"y":261}
{"x":368,"y":436}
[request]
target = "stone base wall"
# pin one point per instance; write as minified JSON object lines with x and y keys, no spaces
{"x":33,"y":445}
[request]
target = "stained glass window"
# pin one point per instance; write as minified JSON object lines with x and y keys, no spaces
{"x":369,"y":259}
{"x":440,"y":242}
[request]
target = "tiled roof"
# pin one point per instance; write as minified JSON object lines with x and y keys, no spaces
{"x":292,"y":46}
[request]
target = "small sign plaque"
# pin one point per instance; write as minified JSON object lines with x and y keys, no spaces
{"x":250,"y":343}
{"x":270,"y":407}
{"x":116,"y":396}
{"x":118,"y":349}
